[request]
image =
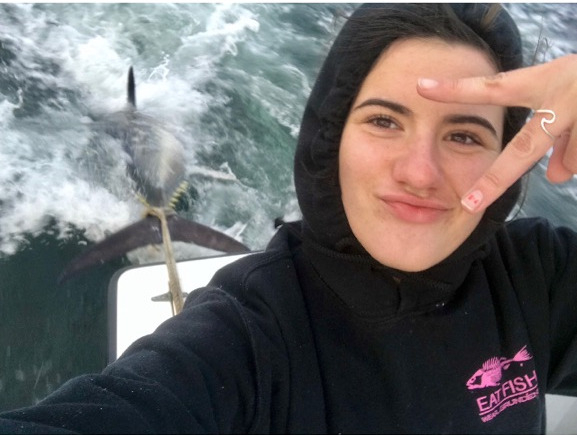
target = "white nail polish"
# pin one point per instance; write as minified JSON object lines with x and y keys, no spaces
{"x":473,"y":200}
{"x":428,"y":83}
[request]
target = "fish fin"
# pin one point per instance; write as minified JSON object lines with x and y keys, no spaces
{"x":184,"y":230}
{"x":144,"y":232}
{"x":131,"y":98}
{"x":177,"y":194}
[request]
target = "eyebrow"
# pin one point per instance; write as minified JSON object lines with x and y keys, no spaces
{"x":451,"y":119}
{"x":472,"y":119}
{"x":395,"y":107}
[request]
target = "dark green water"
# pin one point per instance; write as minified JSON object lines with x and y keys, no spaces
{"x":49,"y":333}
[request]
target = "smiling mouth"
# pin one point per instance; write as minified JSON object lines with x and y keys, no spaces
{"x":415,"y":210}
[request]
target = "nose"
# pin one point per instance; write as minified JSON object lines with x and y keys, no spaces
{"x":418,"y":165}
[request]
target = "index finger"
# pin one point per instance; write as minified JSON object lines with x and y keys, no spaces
{"x":512,"y":88}
{"x":526,"y":148}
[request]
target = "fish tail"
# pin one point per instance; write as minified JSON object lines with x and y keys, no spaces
{"x":522,"y":355}
{"x":146,"y":231}
{"x":184,"y":230}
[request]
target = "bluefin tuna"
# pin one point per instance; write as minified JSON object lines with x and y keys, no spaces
{"x":156,"y":165}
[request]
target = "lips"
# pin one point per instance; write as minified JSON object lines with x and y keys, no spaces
{"x":413,"y":209}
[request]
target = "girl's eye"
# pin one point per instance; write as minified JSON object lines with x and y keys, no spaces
{"x":383,"y":121}
{"x":465,"y":139}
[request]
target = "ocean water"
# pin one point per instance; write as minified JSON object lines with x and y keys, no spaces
{"x":231,"y":79}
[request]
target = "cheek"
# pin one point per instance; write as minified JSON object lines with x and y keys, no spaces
{"x":347,"y":161}
{"x":350,"y":173}
{"x":467,"y":171}
{"x":358,"y":161}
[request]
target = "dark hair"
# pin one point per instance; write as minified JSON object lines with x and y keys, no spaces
{"x":366,"y":34}
{"x":373,"y":28}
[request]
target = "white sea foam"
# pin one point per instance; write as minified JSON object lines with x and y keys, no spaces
{"x":55,"y":168}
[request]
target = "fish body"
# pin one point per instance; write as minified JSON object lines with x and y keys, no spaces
{"x":491,"y":372}
{"x":489,"y":375}
{"x":156,"y":158}
{"x":156,"y":165}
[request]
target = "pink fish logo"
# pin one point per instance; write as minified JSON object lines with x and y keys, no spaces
{"x":491,"y":373}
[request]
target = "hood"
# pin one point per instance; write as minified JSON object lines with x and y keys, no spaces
{"x":347,"y":64}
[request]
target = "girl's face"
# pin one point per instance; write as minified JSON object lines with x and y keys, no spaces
{"x":405,"y":161}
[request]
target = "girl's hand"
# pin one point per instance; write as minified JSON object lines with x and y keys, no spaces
{"x":548,"y":87}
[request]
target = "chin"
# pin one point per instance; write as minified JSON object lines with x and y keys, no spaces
{"x":410,"y":266}
{"x":410,"y":261}
{"x":415,"y":251}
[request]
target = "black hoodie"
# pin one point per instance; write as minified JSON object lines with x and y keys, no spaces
{"x":348,"y":63}
{"x":314,"y":336}
{"x":271,"y":346}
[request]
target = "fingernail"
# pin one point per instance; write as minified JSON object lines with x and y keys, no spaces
{"x":473,"y":200}
{"x":428,"y":83}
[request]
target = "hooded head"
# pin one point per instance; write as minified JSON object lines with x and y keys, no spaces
{"x":367,"y":33}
